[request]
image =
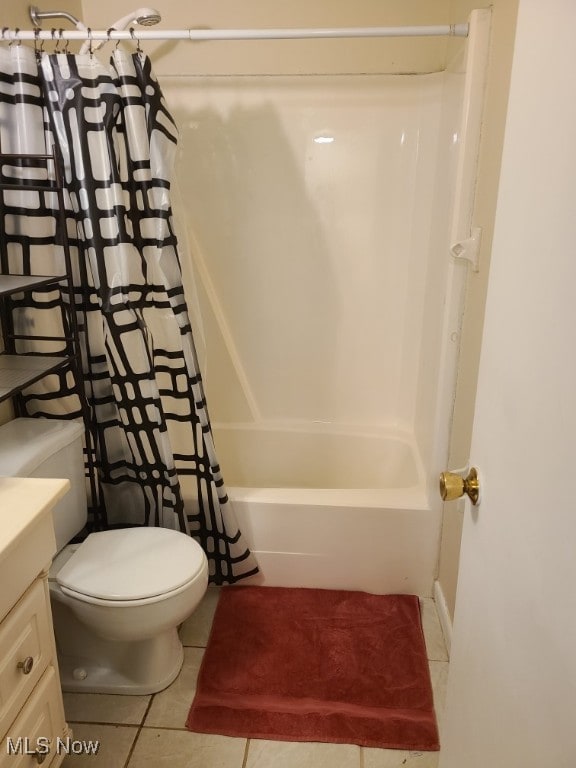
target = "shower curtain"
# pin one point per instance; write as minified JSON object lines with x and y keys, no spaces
{"x":141,"y":380}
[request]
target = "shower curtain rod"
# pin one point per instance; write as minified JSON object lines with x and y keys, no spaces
{"x":17,"y":35}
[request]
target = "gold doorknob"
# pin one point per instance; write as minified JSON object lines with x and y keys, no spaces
{"x":453,"y":486}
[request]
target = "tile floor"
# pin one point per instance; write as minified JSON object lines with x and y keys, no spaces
{"x":149,"y":732}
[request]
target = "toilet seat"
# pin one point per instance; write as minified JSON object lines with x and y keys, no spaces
{"x":131,"y":566}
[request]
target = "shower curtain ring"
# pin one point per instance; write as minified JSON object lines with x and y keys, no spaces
{"x":38,"y":51}
{"x":59,"y":41}
{"x":16,"y":38}
{"x":4,"y":30}
{"x":133,"y":36}
{"x":90,"y":51}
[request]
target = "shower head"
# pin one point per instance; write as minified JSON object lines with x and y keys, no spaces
{"x":36,"y":16}
{"x":146,"y":17}
{"x":149,"y":18}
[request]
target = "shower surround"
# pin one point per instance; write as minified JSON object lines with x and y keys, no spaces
{"x":320,"y":212}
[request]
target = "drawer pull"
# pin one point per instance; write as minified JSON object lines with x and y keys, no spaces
{"x":26,"y":665}
{"x":41,"y":756}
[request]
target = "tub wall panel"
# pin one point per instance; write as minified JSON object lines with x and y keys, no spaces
{"x":369,"y":549}
{"x":308,"y":214}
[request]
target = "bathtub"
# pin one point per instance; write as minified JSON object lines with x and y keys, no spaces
{"x":343,"y":508}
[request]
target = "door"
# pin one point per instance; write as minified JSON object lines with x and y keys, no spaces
{"x":511,"y":699}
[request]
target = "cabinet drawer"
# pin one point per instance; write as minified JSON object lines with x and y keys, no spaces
{"x":38,"y":727}
{"x":25,"y":634}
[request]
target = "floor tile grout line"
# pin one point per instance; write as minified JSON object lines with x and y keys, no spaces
{"x":129,"y":725}
{"x":145,"y":715}
{"x":103,"y":722}
{"x":138,"y":732}
{"x":131,"y":750}
{"x":168,"y":728}
{"x":246,"y":748}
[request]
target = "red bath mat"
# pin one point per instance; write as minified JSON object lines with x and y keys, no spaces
{"x":316,"y":665}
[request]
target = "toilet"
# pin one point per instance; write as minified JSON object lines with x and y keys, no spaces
{"x":118,"y":597}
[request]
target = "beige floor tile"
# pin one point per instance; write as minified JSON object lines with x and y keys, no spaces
{"x":196,"y":629}
{"x":105,"y":708}
{"x":435,"y":645}
{"x":397,"y":758}
{"x":292,"y":754}
{"x":183,"y":749}
{"x":114,"y":746}
{"x":170,"y":707}
{"x":439,"y":677}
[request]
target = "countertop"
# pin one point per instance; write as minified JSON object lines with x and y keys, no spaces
{"x":27,"y":542}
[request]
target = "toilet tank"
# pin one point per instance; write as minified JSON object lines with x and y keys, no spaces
{"x":49,"y":448}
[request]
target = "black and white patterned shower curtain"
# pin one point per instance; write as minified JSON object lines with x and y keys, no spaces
{"x":141,"y":378}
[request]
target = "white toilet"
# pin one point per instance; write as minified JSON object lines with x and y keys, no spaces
{"x":119,"y":596}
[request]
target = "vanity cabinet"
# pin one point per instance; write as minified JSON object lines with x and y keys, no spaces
{"x":32,"y":722}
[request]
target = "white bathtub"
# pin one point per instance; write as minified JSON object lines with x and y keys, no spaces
{"x":340,"y":509}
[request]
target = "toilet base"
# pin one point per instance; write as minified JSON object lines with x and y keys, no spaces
{"x":90,"y":664}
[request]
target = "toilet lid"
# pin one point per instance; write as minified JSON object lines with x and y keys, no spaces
{"x":132,"y":564}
